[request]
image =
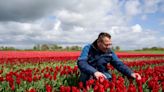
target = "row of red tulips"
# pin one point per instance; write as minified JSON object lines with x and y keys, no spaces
{"x":65,"y":78}
{"x":34,"y":56}
{"x":38,"y":73}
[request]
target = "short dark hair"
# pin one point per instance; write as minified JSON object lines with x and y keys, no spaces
{"x":102,"y":35}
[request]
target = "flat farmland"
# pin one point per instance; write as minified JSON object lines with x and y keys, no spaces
{"x":56,"y":71}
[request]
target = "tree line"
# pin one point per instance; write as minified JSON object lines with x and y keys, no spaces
{"x":50,"y":47}
{"x":43,"y":47}
{"x":55,"y":47}
{"x":151,"y":49}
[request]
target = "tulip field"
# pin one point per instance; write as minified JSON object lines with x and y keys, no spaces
{"x":56,"y":71}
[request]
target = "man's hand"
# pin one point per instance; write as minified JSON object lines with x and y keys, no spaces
{"x":136,"y":76}
{"x":99,"y":74}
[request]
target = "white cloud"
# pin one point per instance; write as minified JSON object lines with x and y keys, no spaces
{"x":162,"y":22}
{"x":137,"y":28}
{"x":69,"y":17}
{"x":57,"y":25}
{"x":161,"y":7}
{"x":151,"y":6}
{"x":127,"y":38}
{"x":132,"y":7}
{"x":144,"y":17}
{"x":75,"y":22}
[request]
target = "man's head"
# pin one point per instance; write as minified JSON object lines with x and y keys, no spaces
{"x":104,"y":41}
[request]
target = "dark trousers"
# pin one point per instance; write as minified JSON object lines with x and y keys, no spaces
{"x":101,"y":66}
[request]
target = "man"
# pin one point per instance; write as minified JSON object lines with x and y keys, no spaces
{"x":95,"y":57}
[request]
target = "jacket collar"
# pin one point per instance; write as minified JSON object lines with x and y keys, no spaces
{"x":95,"y":46}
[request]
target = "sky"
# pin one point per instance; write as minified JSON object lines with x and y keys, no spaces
{"x":133,"y":24}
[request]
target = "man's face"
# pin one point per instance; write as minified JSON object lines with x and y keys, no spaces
{"x":105,"y":44}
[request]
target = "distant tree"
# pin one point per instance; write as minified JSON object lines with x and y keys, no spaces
{"x":60,"y":47}
{"x":37,"y":47}
{"x":117,"y":48}
{"x":162,"y":48}
{"x":1,"y":48}
{"x":44,"y":47}
{"x":67,"y":48}
{"x":145,"y":49}
{"x":154,"y":48}
{"x":55,"y":47}
{"x":34,"y":48}
{"x":75,"y":48}
{"x":7,"y":48}
{"x":112,"y":48}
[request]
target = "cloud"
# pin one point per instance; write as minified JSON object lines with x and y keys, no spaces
{"x":137,"y":28}
{"x":26,"y":23}
{"x":30,"y":10}
{"x":162,"y":22}
{"x":132,"y":7}
{"x":133,"y":38}
{"x":144,"y":17}
{"x":161,"y":7}
{"x":151,"y":6}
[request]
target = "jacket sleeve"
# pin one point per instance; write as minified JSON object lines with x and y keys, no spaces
{"x":120,"y":66}
{"x":82,"y":61}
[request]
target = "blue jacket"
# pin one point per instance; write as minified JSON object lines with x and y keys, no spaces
{"x":88,"y":61}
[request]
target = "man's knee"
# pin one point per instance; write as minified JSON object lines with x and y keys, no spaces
{"x":84,"y":77}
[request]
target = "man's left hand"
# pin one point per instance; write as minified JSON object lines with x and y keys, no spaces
{"x":136,"y":76}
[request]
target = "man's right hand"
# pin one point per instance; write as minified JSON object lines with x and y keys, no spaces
{"x":99,"y":74}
